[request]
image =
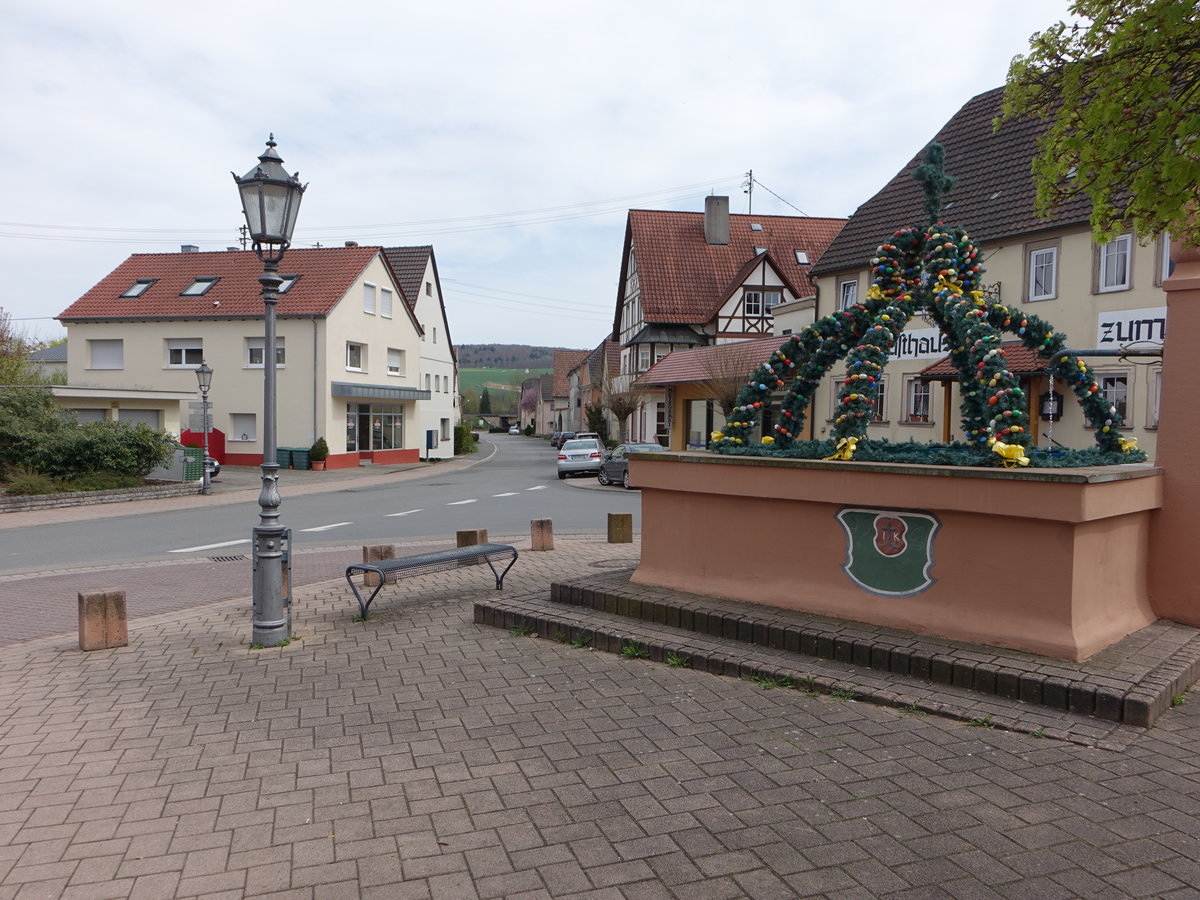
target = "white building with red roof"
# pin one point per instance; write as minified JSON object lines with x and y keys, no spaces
{"x":350,"y":361}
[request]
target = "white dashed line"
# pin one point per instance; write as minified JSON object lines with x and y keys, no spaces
{"x":407,"y":512}
{"x":211,"y":546}
{"x":460,"y":502}
{"x":327,"y":527}
{"x":509,"y":494}
{"x":537,"y":487}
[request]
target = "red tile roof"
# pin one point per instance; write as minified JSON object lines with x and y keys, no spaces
{"x":993,"y":197}
{"x":564,"y":362}
{"x":703,"y":363}
{"x":326,"y":274}
{"x":1019,"y":359}
{"x":684,"y":279}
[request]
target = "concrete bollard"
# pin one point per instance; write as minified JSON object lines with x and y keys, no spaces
{"x":542,"y":534}
{"x":102,"y":620}
{"x":375,"y":553}
{"x":620,"y":528}
{"x":472,"y":537}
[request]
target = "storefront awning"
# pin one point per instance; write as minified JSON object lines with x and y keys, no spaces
{"x":376,"y":391}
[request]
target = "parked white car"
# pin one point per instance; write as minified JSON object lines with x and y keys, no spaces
{"x":579,"y":457}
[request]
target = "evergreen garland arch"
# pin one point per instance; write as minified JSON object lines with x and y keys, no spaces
{"x":936,"y":270}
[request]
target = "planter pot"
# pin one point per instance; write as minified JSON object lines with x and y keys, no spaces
{"x":1053,"y":561}
{"x":318,"y":465}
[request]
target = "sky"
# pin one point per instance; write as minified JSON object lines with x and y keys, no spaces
{"x":512,"y":135}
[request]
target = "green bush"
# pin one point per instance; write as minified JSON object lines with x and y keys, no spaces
{"x":529,"y":430}
{"x":107,"y":446}
{"x":464,"y":440}
{"x":26,"y":483}
{"x":103,"y":481}
{"x":319,"y":450}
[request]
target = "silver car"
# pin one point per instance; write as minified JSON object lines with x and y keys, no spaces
{"x":614,"y":467}
{"x":579,"y":457}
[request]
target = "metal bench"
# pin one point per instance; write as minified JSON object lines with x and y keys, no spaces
{"x":435,"y":561}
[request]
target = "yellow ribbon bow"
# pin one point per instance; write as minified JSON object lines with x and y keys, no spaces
{"x":1012,"y":454}
{"x":1128,"y":445}
{"x":845,"y":448}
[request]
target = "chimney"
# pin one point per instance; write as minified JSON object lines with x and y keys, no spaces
{"x":189,"y":248}
{"x":351,"y":243}
{"x":716,"y":219}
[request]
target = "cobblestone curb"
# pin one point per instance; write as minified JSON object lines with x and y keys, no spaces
{"x":92,"y":498}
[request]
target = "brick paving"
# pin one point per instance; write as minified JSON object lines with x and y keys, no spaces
{"x":421,"y":755}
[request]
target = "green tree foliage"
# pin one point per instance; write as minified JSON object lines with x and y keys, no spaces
{"x":14,"y":354}
{"x":1122,"y":95}
{"x":485,"y":403}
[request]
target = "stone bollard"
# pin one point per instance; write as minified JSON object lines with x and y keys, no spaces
{"x":542,"y":534}
{"x":471,"y":538}
{"x":620,"y":528}
{"x":375,"y":553}
{"x":102,"y":621}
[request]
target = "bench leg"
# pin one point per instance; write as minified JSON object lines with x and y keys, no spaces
{"x":363,"y":607}
{"x":500,"y":575}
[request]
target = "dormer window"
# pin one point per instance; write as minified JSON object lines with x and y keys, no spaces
{"x":286,"y":284}
{"x":139,"y":287}
{"x":198,"y":288}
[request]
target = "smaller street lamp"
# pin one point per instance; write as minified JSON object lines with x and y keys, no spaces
{"x":204,"y":380}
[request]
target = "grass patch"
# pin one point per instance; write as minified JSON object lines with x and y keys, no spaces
{"x":1179,"y":699}
{"x":843,"y":695}
{"x":521,"y":630}
{"x":766,"y":682}
{"x":982,"y":722}
{"x":678,"y":661}
{"x":634,"y":650}
{"x":582,"y":640}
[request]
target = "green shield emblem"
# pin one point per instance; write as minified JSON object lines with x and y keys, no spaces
{"x":888,"y":552}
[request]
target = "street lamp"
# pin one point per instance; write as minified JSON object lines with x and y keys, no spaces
{"x":204,"y":380}
{"x":270,"y":201}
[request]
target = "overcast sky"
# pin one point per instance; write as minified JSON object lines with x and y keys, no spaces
{"x":512,"y":135}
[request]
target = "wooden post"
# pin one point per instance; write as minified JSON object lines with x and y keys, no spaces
{"x":102,"y":620}
{"x":542,"y":534}
{"x":375,"y":553}
{"x":620,"y":528}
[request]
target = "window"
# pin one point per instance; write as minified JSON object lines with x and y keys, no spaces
{"x":429,"y":289}
{"x":643,"y":357}
{"x":139,"y":287}
{"x":198,"y":287}
{"x":374,"y":426}
{"x":1043,"y":271}
{"x":106,"y":354}
{"x":427,"y":388}
{"x":385,"y":303}
{"x":369,"y":299}
{"x":753,"y":303}
{"x":445,"y":429}
{"x":435,"y":334}
{"x":847,"y":294}
{"x":255,"y":348}
{"x":881,"y":401}
{"x":771,"y":299}
{"x":242,"y":427}
{"x":356,"y":357}
{"x":801,"y":257}
{"x":395,"y":363}
{"x":288,"y":281}
{"x":1115,"y":389}
{"x":1165,"y":266}
{"x":759,"y":251}
{"x":184,"y":353}
{"x":1114,"y":265}
{"x":1155,"y":397}
{"x":916,"y":400}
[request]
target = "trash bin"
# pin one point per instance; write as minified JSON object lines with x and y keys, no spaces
{"x":193,"y":463}
{"x":283,"y":457}
{"x":300,"y":458}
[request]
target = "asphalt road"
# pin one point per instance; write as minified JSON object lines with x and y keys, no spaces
{"x":513,"y":481}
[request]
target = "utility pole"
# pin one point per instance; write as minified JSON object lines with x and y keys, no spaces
{"x":748,"y":184}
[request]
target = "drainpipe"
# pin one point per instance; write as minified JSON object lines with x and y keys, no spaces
{"x":316,"y":383}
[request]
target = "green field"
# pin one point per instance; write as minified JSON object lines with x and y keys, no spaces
{"x":495,"y":379}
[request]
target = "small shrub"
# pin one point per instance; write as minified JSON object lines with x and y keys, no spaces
{"x":678,"y":661}
{"x":319,"y":450}
{"x":26,"y":483}
{"x":103,"y":481}
{"x":633,"y":650}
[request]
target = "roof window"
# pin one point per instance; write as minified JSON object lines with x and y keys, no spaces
{"x":286,"y":284}
{"x":198,"y":287}
{"x":754,"y":226}
{"x":139,"y":287}
{"x":801,"y":257}
{"x":759,"y":251}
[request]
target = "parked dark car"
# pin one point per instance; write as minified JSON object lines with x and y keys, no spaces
{"x":560,"y":438}
{"x":614,"y":467}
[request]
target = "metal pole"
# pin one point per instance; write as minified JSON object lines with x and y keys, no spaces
{"x":270,"y":625}
{"x":206,"y":482}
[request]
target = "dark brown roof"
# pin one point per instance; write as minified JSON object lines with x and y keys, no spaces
{"x":699,"y":363}
{"x":993,"y":198}
{"x":326,"y":274}
{"x":684,"y":279}
{"x":1018,"y":359}
{"x":409,"y":264}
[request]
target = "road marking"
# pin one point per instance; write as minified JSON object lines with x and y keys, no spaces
{"x":407,"y":512}
{"x":509,"y":494}
{"x":537,"y":487}
{"x":327,"y":527}
{"x":460,"y":502}
{"x":210,"y":546}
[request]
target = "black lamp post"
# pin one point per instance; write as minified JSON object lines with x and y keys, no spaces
{"x":270,"y":201}
{"x":204,"y":380}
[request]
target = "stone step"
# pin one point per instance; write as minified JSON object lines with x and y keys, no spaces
{"x":1131,"y":683}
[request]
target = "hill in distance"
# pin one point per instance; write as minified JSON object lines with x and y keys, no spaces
{"x":504,"y":356}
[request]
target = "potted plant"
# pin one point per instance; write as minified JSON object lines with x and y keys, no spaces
{"x":317,"y":453}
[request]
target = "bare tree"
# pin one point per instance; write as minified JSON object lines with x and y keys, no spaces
{"x":622,"y":404}
{"x":726,"y":372}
